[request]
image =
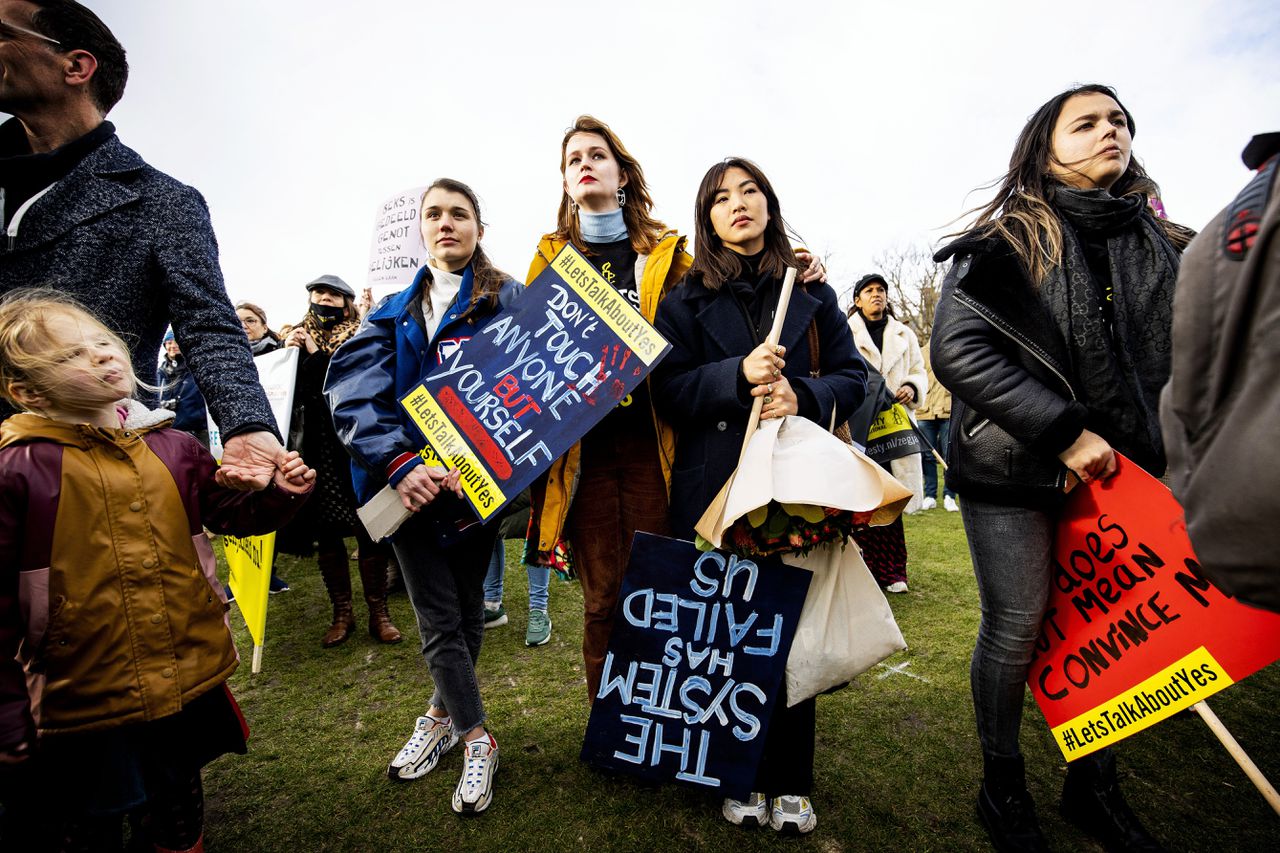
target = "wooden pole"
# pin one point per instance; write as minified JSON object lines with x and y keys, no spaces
{"x":1237,"y":752}
{"x":775,"y":334}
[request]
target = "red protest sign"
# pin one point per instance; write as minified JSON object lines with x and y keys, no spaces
{"x":1134,"y":632}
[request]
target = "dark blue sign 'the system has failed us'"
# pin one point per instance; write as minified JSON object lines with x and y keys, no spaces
{"x":697,"y":655}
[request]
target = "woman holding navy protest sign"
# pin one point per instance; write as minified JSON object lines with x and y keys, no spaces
{"x":717,"y":321}
{"x":1053,"y":335}
{"x":443,"y":552}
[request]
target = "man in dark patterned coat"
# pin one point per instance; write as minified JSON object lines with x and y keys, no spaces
{"x":86,"y":215}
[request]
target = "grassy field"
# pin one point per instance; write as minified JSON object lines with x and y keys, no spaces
{"x":898,"y":761}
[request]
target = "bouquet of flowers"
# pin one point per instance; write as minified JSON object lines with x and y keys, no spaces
{"x":778,"y":528}
{"x":798,"y":488}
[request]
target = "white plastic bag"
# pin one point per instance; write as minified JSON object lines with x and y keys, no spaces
{"x":846,"y":626}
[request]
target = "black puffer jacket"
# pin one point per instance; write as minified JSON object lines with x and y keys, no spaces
{"x":998,"y":351}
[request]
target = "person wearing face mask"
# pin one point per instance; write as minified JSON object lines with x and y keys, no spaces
{"x":442,"y":550}
{"x":330,"y":321}
{"x":1053,"y":334}
{"x":893,"y":349}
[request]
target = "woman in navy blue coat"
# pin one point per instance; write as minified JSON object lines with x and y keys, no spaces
{"x":717,"y":321}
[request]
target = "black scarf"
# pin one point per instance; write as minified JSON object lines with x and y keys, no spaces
{"x":1119,"y":358}
{"x":756,"y":296}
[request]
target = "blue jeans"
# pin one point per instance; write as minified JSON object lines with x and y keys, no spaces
{"x":1012,"y":551}
{"x":539,"y":579}
{"x":445,"y":586}
{"x":937,"y":433}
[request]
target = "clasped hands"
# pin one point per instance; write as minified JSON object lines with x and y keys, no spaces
{"x":423,"y":483}
{"x":763,"y":369}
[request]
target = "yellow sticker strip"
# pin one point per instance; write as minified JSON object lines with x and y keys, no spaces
{"x":619,"y":314}
{"x":1175,"y":688}
{"x":448,"y":449}
{"x":891,"y":420}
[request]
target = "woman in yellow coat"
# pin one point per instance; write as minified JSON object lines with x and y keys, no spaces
{"x":615,"y":481}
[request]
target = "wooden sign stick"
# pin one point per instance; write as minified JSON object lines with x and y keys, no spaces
{"x":775,"y":333}
{"x":1237,"y":752}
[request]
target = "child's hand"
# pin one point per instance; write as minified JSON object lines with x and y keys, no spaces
{"x":293,"y":476}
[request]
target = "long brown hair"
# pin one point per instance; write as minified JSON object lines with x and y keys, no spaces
{"x":1021,"y":212}
{"x":487,"y":279}
{"x":715,"y":264}
{"x":642,"y":229}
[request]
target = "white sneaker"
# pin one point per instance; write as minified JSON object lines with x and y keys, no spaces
{"x":753,"y":811}
{"x":431,"y":739}
{"x":929,"y":503}
{"x":950,"y":504}
{"x":896,"y":586}
{"x":792,"y":814}
{"x":475,"y":788}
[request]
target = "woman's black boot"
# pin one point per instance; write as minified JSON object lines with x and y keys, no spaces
{"x":1091,"y":799}
{"x":1005,"y":807}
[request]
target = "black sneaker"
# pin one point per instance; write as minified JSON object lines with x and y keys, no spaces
{"x":278,"y":585}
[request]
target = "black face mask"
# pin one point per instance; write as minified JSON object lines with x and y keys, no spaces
{"x":327,"y":316}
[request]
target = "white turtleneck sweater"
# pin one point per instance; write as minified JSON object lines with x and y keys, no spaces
{"x":439,"y":296}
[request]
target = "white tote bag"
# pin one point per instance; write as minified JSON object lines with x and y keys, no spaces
{"x":845,"y":627}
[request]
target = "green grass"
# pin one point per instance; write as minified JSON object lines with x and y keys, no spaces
{"x":897,"y":763}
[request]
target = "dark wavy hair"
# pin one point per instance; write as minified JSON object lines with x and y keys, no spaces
{"x":487,"y":279}
{"x":77,"y":28}
{"x":1021,"y":212}
{"x":642,"y":229}
{"x":712,"y":262}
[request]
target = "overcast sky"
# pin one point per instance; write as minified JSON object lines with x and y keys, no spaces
{"x":875,"y":121}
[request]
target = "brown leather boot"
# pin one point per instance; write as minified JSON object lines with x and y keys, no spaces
{"x":373,"y":574}
{"x":337,"y":580}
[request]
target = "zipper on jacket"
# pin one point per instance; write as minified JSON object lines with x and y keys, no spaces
{"x":977,"y":429}
{"x":20,"y":212}
{"x":1061,"y":479}
{"x":1015,"y":339}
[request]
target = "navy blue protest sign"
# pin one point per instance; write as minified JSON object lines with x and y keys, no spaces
{"x":535,"y":379}
{"x":697,"y":655}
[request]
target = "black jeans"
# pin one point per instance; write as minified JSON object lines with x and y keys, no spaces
{"x":787,"y":765}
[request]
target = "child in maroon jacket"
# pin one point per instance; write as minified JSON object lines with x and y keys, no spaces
{"x":114,"y":643}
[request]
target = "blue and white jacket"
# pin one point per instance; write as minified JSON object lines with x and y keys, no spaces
{"x":382,"y":362}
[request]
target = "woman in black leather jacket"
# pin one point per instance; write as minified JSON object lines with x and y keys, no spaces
{"x":1053,"y":335}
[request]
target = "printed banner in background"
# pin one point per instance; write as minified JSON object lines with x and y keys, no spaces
{"x":396,"y":251}
{"x":881,"y":426}
{"x":699,"y":646}
{"x":250,"y":558}
{"x":527,"y":386}
{"x":1135,"y":632}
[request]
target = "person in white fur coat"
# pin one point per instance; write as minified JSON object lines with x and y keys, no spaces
{"x":892,"y":348}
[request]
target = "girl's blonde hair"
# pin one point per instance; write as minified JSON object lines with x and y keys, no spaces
{"x":26,"y":354}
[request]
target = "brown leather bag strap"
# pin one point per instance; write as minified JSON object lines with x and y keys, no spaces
{"x":814,"y":369}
